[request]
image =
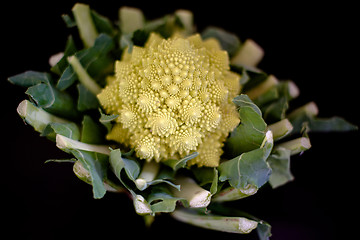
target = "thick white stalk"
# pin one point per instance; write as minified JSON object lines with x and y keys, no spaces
{"x":249,"y":54}
{"x":85,"y":24}
{"x":148,"y":174}
{"x":83,"y":76}
{"x":131,"y":19}
{"x":65,"y":143}
{"x":219,"y":223}
{"x":263,"y":87}
{"x":296,"y":146}
{"x":232,"y":194}
{"x":37,"y":117}
{"x":280,"y":129}
{"x":196,"y":196}
{"x":309,"y":109}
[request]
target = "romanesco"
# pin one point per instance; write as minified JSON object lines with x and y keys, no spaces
{"x":173,"y":96}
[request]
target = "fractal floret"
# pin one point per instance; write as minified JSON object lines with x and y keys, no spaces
{"x":173,"y":96}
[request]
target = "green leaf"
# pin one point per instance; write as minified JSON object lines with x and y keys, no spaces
{"x":207,"y":176}
{"x":263,"y":230}
{"x":107,"y":119}
{"x":87,"y":100}
{"x":102,"y":23}
{"x":248,"y":168}
{"x":252,"y":77}
{"x":161,"y":199}
{"x":41,"y":90}
{"x":248,"y":135}
{"x":279,"y":162}
{"x":30,"y":78}
{"x":97,"y":165}
{"x":69,"y":130}
{"x":69,"y":22}
{"x":70,"y":49}
{"x":177,"y":164}
{"x":228,"y":41}
{"x":243,"y":100}
{"x":91,"y":131}
{"x":315,"y":124}
{"x":71,"y":160}
{"x":53,"y":100}
{"x":131,"y":167}
{"x":95,"y":60}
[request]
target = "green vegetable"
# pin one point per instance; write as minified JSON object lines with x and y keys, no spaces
{"x":63,"y":107}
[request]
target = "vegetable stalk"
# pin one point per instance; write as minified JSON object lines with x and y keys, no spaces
{"x":65,"y":143}
{"x":37,"y":117}
{"x":85,"y":24}
{"x":214,"y":222}
{"x":196,"y":196}
{"x":83,"y":76}
{"x":297,"y":145}
{"x":280,"y":129}
{"x":148,"y":174}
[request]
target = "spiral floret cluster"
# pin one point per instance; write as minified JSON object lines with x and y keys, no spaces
{"x":173,"y":97}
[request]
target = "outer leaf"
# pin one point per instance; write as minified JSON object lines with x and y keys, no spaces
{"x":87,"y":100}
{"x":102,"y":23}
{"x":53,"y":100}
{"x":248,"y":168}
{"x":30,"y":78}
{"x":229,"y":42}
{"x":91,"y":131}
{"x":335,"y":124}
{"x":70,"y":49}
{"x":243,"y":100}
{"x":69,"y":130}
{"x":107,"y":119}
{"x":131,"y":167}
{"x":177,"y":164}
{"x":207,"y":176}
{"x":248,"y":135}
{"x":279,"y":162}
{"x":97,"y":165}
{"x":161,"y":199}
{"x":93,"y":59}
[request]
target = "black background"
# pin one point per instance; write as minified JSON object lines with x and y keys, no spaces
{"x":314,"y":45}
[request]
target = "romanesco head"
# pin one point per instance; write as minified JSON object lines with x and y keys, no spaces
{"x":173,"y":97}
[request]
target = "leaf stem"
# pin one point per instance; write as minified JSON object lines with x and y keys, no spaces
{"x":37,"y":117}
{"x":249,"y":54}
{"x":83,"y":76}
{"x":131,"y":19}
{"x":65,"y":144}
{"x":232,"y":194}
{"x":85,"y":24}
{"x":297,"y":145}
{"x":148,"y":174}
{"x":280,"y":129}
{"x":263,"y":87}
{"x":220,"y":223}
{"x":196,"y":196}
{"x":309,"y":109}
